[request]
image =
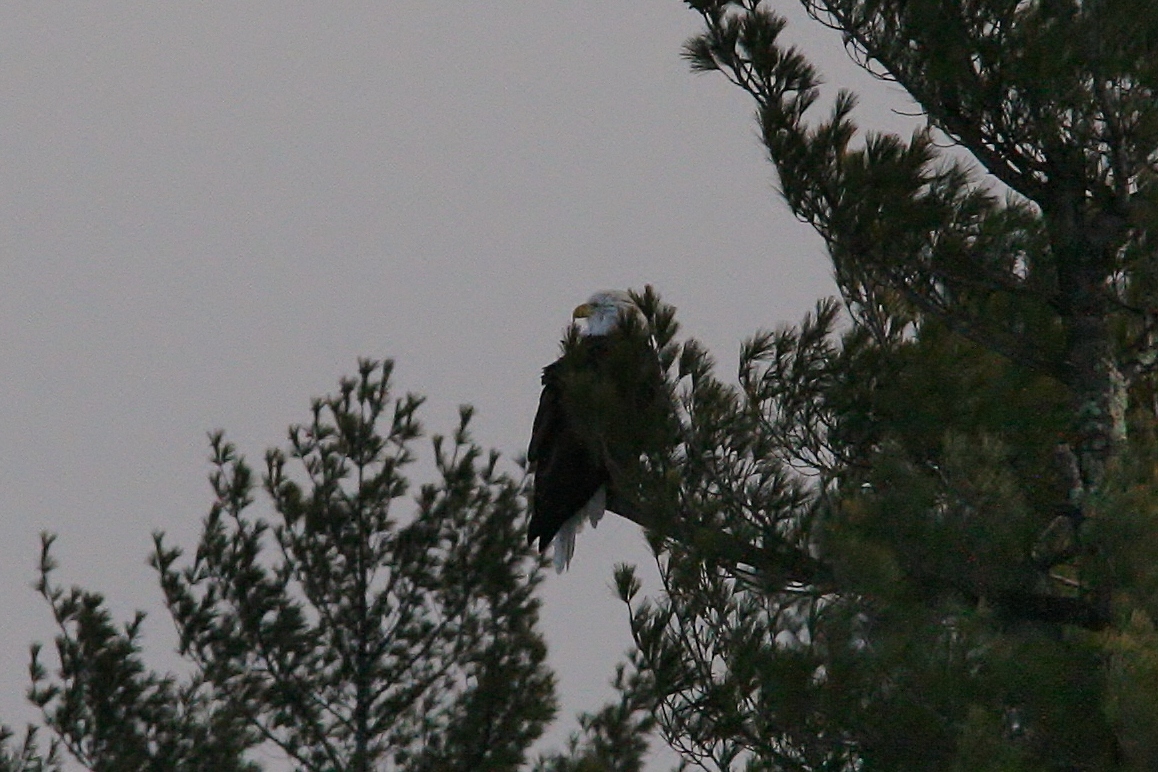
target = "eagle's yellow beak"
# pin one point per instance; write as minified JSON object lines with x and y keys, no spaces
{"x":582,"y":311}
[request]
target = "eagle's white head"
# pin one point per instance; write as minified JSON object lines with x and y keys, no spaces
{"x":603,"y":310}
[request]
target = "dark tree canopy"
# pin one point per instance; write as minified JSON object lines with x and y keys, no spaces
{"x":370,"y":634}
{"x":1052,"y":267}
{"x":356,"y":629}
{"x":924,"y":538}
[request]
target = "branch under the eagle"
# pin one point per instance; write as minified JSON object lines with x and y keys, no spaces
{"x":773,"y":567}
{"x":777,"y":568}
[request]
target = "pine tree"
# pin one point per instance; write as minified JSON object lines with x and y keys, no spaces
{"x":616,"y":738}
{"x":27,"y":756}
{"x":348,"y":629}
{"x":109,"y":710}
{"x":923,"y":537}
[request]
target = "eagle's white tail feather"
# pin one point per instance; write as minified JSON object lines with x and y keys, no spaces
{"x":593,"y":509}
{"x":564,"y":541}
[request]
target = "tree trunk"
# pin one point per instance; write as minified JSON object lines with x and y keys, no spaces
{"x":1084,"y":257}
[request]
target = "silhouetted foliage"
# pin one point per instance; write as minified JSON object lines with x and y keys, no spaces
{"x":352,"y":631}
{"x":613,"y":739}
{"x":27,"y":756}
{"x":922,"y":537}
{"x":110,"y":711}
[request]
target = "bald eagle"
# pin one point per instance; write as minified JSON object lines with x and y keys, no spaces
{"x":596,"y":413}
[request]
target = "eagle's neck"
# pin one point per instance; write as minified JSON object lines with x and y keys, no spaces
{"x":601,"y":323}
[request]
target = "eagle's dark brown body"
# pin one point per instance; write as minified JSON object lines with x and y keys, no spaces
{"x":568,"y":470}
{"x":602,"y":406}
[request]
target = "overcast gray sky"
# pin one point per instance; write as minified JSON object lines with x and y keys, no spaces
{"x":210,"y":210}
